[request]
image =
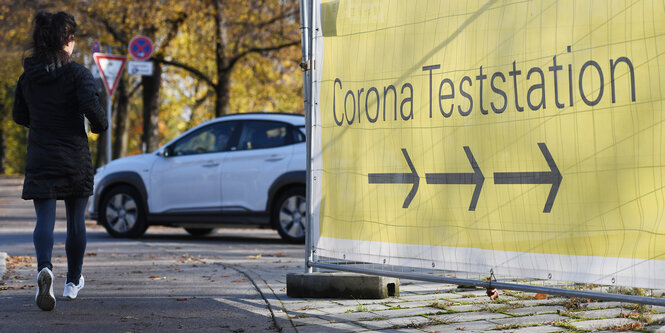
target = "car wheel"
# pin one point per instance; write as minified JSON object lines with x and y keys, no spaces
{"x":289,"y":215}
{"x":122,"y":213}
{"x":198,"y":232}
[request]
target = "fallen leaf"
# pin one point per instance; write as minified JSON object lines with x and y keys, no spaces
{"x":238,"y":281}
{"x":181,"y":299}
{"x":540,"y":296}
{"x":226,"y":275}
{"x":153,"y":277}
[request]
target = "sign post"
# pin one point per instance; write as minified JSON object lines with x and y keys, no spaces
{"x":96,"y":47}
{"x":141,"y":49}
{"x":110,"y":68}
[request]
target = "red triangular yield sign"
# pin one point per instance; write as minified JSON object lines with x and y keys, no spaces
{"x":110,"y":67}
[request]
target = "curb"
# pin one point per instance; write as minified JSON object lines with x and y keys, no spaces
{"x":280,"y":316}
{"x":3,"y":265}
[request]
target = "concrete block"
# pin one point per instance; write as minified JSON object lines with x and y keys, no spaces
{"x":340,"y":285}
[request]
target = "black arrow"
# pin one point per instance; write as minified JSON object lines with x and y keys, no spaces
{"x":399,"y":178}
{"x":475,"y":177}
{"x":546,"y":177}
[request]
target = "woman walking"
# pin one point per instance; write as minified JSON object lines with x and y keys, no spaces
{"x":52,"y":97}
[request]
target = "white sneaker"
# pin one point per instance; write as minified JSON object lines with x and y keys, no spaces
{"x":45,"y":299}
{"x":72,"y":290}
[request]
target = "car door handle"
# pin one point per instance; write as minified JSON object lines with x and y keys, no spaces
{"x":210,"y":164}
{"x":274,"y":158}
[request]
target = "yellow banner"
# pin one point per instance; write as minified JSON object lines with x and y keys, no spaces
{"x":521,"y":126}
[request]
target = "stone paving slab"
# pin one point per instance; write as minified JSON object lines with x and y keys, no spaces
{"x":602,"y":313}
{"x":401,"y":304}
{"x":309,"y":320}
{"x":601,"y":305}
{"x":602,"y":323}
{"x":655,"y":328}
{"x":540,"y":309}
{"x":549,"y":300}
{"x":537,"y":329}
{"x":332,"y":328}
{"x":528,"y":320}
{"x":332,"y":309}
{"x":471,"y":326}
{"x":402,"y":330}
{"x":355,"y":302}
{"x":467,"y":316}
{"x":395,"y":323}
{"x":350,"y":316}
{"x":429,"y":297}
{"x":657,"y":317}
{"x":476,"y":307}
{"x":408,"y":312}
{"x":473,"y":300}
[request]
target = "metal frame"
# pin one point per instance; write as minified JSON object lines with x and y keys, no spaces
{"x":498,"y":285}
{"x":311,"y":261}
{"x":306,"y":38}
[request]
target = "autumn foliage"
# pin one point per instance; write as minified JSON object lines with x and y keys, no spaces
{"x":215,"y":57}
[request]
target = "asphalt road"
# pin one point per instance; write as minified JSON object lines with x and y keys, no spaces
{"x":165,"y":281}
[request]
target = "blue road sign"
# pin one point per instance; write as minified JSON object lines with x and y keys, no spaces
{"x":96,"y":47}
{"x":141,"y":47}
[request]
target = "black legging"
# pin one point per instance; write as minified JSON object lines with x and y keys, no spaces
{"x":76,"y":239}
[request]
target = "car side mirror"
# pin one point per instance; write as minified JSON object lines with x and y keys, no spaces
{"x":167,"y":152}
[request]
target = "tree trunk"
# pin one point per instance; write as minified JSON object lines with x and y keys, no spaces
{"x":223,"y":75}
{"x":151,"y":85}
{"x":222,"y":91}
{"x":121,"y":120}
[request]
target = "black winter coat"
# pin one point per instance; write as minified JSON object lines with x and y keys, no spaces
{"x":52,"y":102}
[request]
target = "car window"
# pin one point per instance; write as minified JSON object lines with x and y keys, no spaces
{"x":210,"y":139}
{"x":299,"y":134}
{"x":259,"y":134}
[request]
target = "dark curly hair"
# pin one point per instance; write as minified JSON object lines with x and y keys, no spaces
{"x":51,"y":32}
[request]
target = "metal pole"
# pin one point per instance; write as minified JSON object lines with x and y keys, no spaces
{"x":307,"y":91}
{"x":501,"y":285}
{"x":109,"y":50}
{"x":108,"y":131}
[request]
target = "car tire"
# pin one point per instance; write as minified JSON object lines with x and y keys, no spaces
{"x":199,"y":232}
{"x":289,"y":215}
{"x":122,"y":213}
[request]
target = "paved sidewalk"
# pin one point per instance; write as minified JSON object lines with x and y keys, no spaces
{"x":421,"y":306}
{"x":432,"y":307}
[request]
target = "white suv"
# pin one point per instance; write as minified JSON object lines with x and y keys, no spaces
{"x":241,"y":169}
